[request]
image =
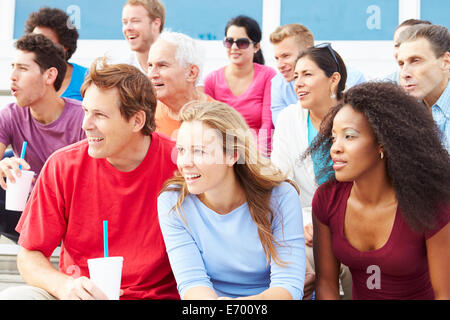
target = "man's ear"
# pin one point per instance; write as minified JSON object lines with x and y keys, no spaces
{"x":156,"y":22}
{"x":193,"y":72}
{"x":51,"y":74}
{"x":445,"y":65}
{"x":139,"y":120}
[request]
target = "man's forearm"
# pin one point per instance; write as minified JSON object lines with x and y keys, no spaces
{"x":36,"y":270}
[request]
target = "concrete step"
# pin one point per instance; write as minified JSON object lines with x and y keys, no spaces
{"x":8,"y":264}
{"x":10,"y":280}
{"x":9,"y":274}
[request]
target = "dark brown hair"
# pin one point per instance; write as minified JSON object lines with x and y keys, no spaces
{"x":324,"y":59}
{"x":135,"y":90}
{"x":47,"y":54}
{"x":438,"y":37}
{"x":58,"y":21}
{"x":253,"y":31}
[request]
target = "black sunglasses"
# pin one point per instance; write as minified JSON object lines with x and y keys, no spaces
{"x":241,"y":43}
{"x":328,"y":45}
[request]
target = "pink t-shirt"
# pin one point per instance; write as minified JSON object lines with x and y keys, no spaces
{"x":17,"y":125}
{"x":253,"y":104}
{"x":401,"y":263}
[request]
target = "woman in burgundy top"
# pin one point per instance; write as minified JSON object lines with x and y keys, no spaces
{"x":385,"y":213}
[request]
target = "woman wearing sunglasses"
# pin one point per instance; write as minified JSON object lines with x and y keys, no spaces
{"x":385,"y":209}
{"x":245,"y":83}
{"x":320,"y":75}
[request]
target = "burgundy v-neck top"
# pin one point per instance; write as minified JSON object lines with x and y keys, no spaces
{"x":397,"y":270}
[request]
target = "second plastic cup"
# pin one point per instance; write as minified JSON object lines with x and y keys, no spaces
{"x":106,"y":273}
{"x":17,"y":193}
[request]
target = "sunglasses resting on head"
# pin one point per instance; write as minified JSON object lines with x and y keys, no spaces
{"x":330,"y":49}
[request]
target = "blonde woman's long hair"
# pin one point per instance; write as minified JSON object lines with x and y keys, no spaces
{"x":255,"y":173}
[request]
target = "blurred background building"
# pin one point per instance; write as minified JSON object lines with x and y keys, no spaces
{"x":360,"y":30}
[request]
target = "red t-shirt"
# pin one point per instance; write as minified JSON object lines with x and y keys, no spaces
{"x":401,"y":263}
{"x":76,"y":192}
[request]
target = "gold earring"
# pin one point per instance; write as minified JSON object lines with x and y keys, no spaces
{"x":381,"y":155}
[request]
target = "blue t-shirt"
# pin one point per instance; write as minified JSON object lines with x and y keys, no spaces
{"x":78,"y":75}
{"x":318,"y":164}
{"x":223,"y":251}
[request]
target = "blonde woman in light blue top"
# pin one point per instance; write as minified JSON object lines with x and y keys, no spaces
{"x":231,"y":223}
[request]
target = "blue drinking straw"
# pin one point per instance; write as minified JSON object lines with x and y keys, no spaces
{"x":105,"y":238}
{"x":22,"y":155}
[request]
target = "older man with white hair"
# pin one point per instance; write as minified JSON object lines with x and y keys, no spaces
{"x":174,"y":66}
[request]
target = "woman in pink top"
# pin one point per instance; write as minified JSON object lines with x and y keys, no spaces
{"x":386,"y":210}
{"x":245,"y":83}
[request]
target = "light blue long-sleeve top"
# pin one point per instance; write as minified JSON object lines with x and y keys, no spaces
{"x":224,"y":253}
{"x":441,"y":115}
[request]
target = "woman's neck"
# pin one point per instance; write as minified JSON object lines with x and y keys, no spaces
{"x":225,"y":199}
{"x":239,"y":70}
{"x":318,"y":112}
{"x":374,"y":188}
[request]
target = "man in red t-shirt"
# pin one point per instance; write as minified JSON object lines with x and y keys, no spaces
{"x":114,"y":175}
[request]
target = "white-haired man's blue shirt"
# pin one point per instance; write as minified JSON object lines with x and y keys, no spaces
{"x":441,"y":115}
{"x":283,"y":92}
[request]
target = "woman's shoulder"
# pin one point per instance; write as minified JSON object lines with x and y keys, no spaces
{"x":215,"y":73}
{"x":328,"y":197}
{"x":284,"y":189}
{"x":293,"y":113}
{"x":169,"y":194}
{"x":333,"y":188}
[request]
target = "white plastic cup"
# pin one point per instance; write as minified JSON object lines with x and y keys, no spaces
{"x":106,"y":273}
{"x":17,"y":193}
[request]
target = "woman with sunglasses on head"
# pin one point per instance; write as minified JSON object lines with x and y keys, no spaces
{"x":231,"y":222}
{"x":245,"y":83}
{"x":385,"y":208}
{"x":319,"y":80}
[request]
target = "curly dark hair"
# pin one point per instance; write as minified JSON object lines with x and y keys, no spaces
{"x":417,"y":163}
{"x":47,"y":54}
{"x":57,"y":20}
